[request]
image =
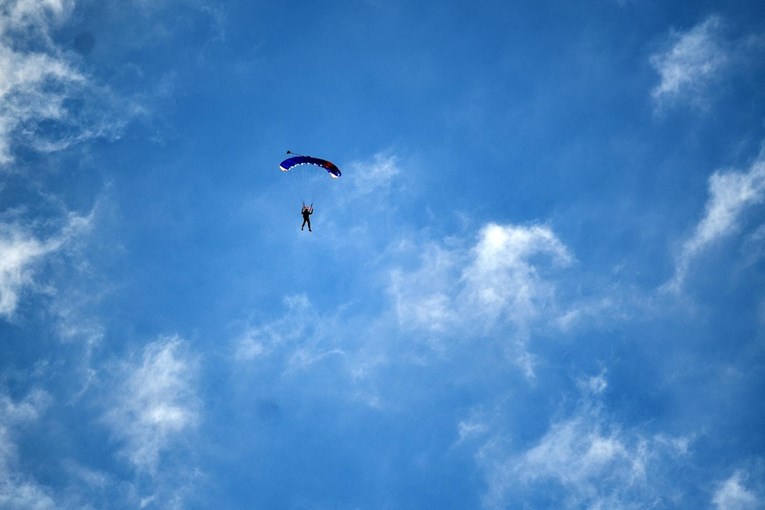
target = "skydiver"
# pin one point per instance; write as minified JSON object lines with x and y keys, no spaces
{"x":307,"y":211}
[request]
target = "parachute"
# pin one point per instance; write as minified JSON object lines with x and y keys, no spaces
{"x":292,"y":162}
{"x":306,"y":177}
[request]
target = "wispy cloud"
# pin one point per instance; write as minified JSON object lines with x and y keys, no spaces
{"x":21,"y":249}
{"x":586,"y":460}
{"x":262,"y":340}
{"x":498,"y":280}
{"x":731,"y":193}
{"x":366,"y":190}
{"x":376,"y":175}
{"x":24,"y":16}
{"x":732,"y":494}
{"x":498,"y":277}
{"x":499,"y":284}
{"x":693,"y":61}
{"x":503,"y":274}
{"x":155,"y":402}
{"x":17,"y":489}
{"x":46,"y":102}
{"x":18,"y":252}
{"x":299,"y":339}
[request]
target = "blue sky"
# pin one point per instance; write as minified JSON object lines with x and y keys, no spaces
{"x":538,"y":283}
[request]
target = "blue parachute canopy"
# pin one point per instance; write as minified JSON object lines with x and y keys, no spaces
{"x":294,"y":161}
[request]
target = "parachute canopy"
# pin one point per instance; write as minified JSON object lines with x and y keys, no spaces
{"x":294,"y":161}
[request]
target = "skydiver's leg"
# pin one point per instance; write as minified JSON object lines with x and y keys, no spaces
{"x":309,"y":225}
{"x":303,"y":225}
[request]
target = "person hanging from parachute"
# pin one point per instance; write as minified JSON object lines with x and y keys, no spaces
{"x":307,"y":211}
{"x":304,"y":176}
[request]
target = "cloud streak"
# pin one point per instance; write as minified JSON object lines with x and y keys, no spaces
{"x":21,"y":250}
{"x":376,"y":176}
{"x":46,"y":102}
{"x":155,"y":402}
{"x":693,"y":61}
{"x":497,"y":278}
{"x":585,"y":460}
{"x":732,"y":494}
{"x":498,"y":286}
{"x":731,"y":194}
{"x":18,"y":490}
{"x":497,"y":281}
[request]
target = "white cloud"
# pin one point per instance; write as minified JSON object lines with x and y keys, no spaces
{"x":731,"y":193}
{"x":46,"y":102}
{"x":471,"y":429}
{"x":300,"y":340}
{"x":155,"y":403}
{"x":375,"y":176}
{"x":21,"y":16}
{"x":263,"y":340}
{"x":732,"y":494}
{"x":583,"y":461}
{"x":303,"y":358}
{"x":17,"y":253}
{"x":694,"y":60}
{"x":20,"y":250}
{"x":575,"y":451}
{"x":17,"y":489}
{"x":498,"y":280}
{"x":498,"y":286}
{"x":595,"y":384}
{"x":423,"y":297}
{"x":342,"y":355}
{"x":502,"y":276}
